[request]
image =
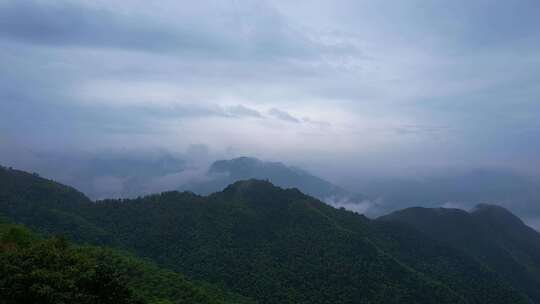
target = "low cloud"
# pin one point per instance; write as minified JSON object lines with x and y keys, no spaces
{"x":369,"y":208}
{"x":176,"y":181}
{"x":533,"y":222}
{"x":106,"y":187}
{"x":318,"y":123}
{"x":283,"y":115}
{"x":243,"y":111}
{"x":456,"y":205}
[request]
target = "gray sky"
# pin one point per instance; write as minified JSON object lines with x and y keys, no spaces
{"x":340,"y":87}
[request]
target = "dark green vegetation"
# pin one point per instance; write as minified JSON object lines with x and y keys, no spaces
{"x":225,"y":172}
{"x":51,"y":270}
{"x":264,"y":242}
{"x":489,"y":233}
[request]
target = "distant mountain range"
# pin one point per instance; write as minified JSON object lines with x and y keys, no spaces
{"x":132,"y":174}
{"x":225,"y":172}
{"x":275,"y":245}
{"x":462,"y":190}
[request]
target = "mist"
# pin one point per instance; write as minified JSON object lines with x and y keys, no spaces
{"x":402,"y":102}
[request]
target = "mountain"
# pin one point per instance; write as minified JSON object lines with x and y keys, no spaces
{"x":48,"y":206}
{"x":34,"y":269}
{"x":270,"y":244}
{"x":225,"y":172}
{"x":489,"y":233}
{"x":105,"y":174}
{"x":461,"y":190}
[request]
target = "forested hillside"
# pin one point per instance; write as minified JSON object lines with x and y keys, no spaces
{"x":270,"y":244}
{"x":34,"y":269}
{"x":489,"y":233}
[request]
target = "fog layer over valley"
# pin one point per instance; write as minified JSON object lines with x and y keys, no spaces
{"x":128,"y":174}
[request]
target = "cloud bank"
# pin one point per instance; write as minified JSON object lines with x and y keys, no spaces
{"x":350,"y":90}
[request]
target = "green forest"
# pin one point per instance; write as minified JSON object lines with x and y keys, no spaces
{"x":253,"y":242}
{"x":37,"y":269}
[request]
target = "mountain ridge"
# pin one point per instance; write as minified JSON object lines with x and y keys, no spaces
{"x":224,"y":172}
{"x":274,"y":244}
{"x":489,"y":233}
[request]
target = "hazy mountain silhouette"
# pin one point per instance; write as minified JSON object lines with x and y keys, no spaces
{"x":224,"y":172}
{"x":459,"y":190}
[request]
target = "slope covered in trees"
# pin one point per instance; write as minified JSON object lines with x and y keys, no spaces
{"x":489,"y":233}
{"x":270,"y":244}
{"x":51,"y":270}
{"x":48,"y":271}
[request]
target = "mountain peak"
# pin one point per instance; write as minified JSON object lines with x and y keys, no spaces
{"x":496,"y":214}
{"x":225,"y":172}
{"x":256,"y":187}
{"x":242,"y":166}
{"x":249,"y":184}
{"x":489,"y":207}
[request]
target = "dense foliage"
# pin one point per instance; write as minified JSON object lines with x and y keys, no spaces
{"x":48,"y":206}
{"x":490,"y":234}
{"x":269,"y":244}
{"x":51,"y":270}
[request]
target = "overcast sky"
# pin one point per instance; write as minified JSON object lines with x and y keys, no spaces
{"x":338,"y":86}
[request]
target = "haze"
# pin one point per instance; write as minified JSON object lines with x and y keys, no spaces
{"x":353,"y":91}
